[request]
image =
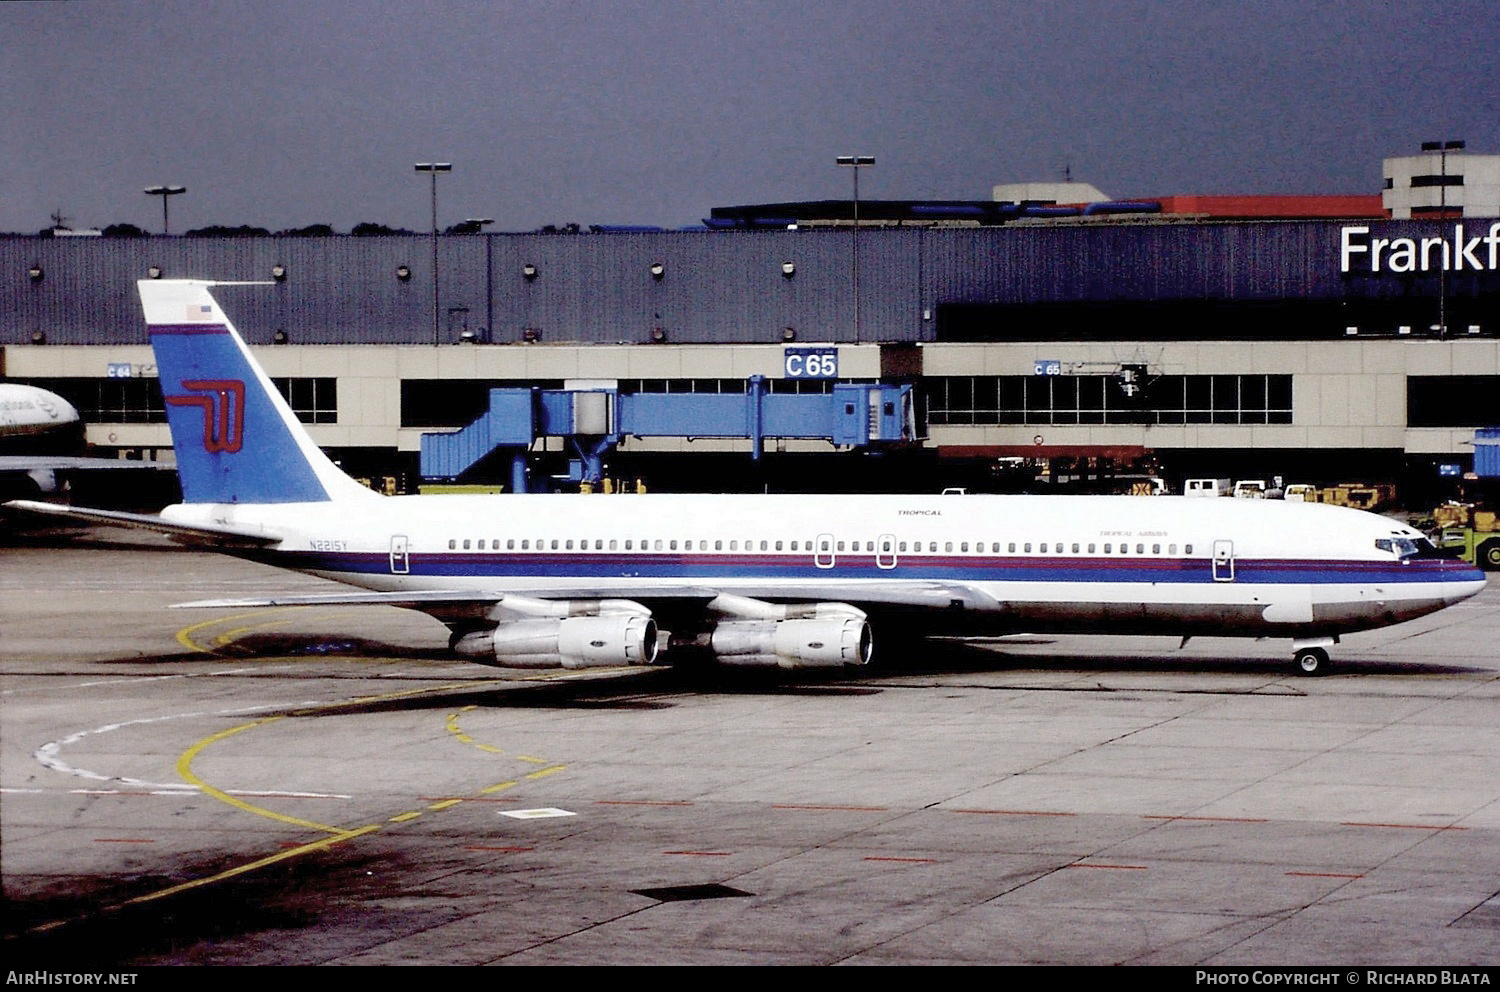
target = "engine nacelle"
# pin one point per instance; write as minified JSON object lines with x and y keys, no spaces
{"x":576,"y":642}
{"x":827,"y":643}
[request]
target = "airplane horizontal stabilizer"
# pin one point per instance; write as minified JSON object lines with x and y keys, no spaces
{"x":196,"y":534}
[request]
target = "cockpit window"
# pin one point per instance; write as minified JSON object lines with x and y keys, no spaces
{"x":1407,"y":547}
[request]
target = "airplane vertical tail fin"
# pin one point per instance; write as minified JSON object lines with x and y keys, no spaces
{"x":236,"y":439}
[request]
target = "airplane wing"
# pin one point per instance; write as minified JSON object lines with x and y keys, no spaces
{"x":195,"y":534}
{"x":825,"y":625}
{"x":33,"y":463}
{"x":912,"y":595}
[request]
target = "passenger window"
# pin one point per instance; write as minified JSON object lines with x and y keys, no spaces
{"x":658,"y":544}
{"x":1026,"y":547}
{"x":948,"y":546}
{"x":964,"y":546}
{"x":778,"y":545}
{"x":452,"y":543}
{"x":1156,"y":549}
{"x":613,"y":544}
{"x":554,"y":544}
{"x":1171,"y":549}
{"x":1091,"y":548}
{"x":466,"y":544}
{"x":1187,"y":549}
{"x":569,"y":545}
{"x":734,"y":545}
{"x":1011,"y":547}
{"x":1075,"y":549}
{"x":764,"y":546}
{"x":1043,"y":548}
{"x":901,"y":546}
{"x":1140,"y":549}
{"x":1108,"y":548}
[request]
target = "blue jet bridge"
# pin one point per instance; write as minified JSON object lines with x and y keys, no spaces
{"x":1487,"y":452}
{"x":593,"y":421}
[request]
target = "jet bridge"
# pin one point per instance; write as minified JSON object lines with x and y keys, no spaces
{"x":594,"y":420}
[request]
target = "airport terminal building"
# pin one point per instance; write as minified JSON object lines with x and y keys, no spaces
{"x":1312,"y":338}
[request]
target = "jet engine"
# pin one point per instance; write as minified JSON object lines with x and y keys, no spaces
{"x":827,"y":643}
{"x":573,"y":642}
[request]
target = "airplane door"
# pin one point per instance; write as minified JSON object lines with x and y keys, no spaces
{"x":1223,"y":561}
{"x":885,"y":551}
{"x":400,"y":559}
{"x":823,"y":556}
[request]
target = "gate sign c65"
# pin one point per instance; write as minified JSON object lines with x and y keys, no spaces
{"x":811,"y":363}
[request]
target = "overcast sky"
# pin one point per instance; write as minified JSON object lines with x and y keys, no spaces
{"x":283,"y":114}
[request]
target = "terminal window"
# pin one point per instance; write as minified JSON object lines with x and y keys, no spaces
{"x":313,"y":400}
{"x":1452,"y":400}
{"x":134,"y":400}
{"x":729,"y":386}
{"x":455,"y":402}
{"x":137,"y":400}
{"x":1099,"y":399}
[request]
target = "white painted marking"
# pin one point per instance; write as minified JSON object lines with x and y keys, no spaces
{"x":49,"y":754}
{"x":543,"y":813}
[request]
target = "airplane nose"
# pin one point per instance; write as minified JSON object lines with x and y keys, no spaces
{"x":1457,"y":592}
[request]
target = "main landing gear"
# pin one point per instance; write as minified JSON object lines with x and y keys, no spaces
{"x":1311,"y":655}
{"x":1312,"y":661}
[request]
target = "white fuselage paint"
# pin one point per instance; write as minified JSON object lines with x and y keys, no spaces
{"x":32,"y":410}
{"x":1083,"y":563}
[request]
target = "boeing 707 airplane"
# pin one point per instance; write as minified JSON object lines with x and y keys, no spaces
{"x":801,"y":581}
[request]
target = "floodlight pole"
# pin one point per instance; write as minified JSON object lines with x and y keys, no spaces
{"x":1443,"y":148}
{"x":854,"y":163}
{"x":164,"y":192}
{"x":434,"y":168}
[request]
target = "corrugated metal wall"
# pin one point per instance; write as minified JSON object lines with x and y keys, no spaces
{"x":716,"y":286}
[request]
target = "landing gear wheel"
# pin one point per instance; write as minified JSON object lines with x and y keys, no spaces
{"x":1312,"y":661}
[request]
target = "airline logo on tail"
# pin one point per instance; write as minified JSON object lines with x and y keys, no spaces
{"x":223,"y":405}
{"x":236,"y":439}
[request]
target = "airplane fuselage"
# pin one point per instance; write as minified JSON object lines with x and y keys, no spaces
{"x":1084,"y":564}
{"x":27,"y":410}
